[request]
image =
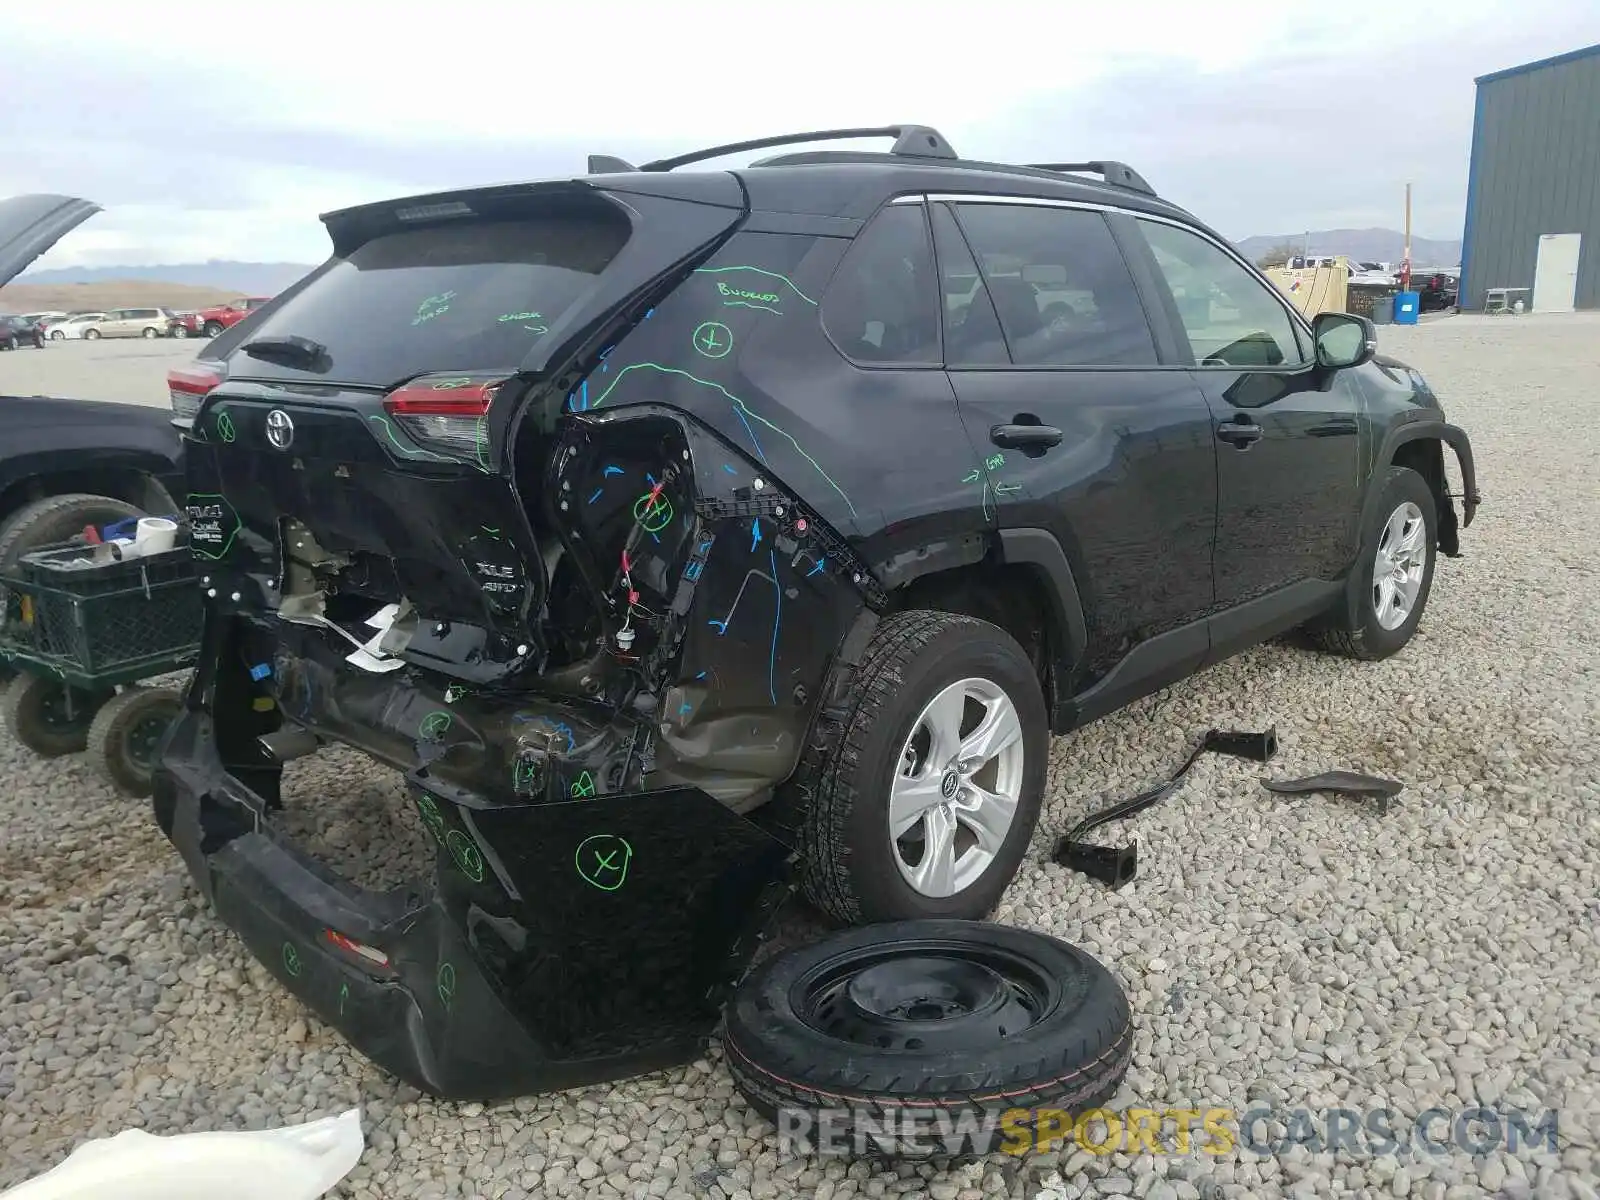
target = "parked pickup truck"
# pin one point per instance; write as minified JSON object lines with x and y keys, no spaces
{"x":208,"y":322}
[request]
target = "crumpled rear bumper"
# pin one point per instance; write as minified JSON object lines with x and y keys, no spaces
{"x":559,"y":944}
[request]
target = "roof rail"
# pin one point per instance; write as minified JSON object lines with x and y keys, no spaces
{"x":1116,"y":173}
{"x":911,"y":141}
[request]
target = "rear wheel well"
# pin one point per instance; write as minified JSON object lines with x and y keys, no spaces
{"x":1010,"y":595}
{"x":1425,"y":456}
{"x":127,"y":484}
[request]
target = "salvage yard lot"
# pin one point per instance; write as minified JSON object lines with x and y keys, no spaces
{"x":1305,"y":952}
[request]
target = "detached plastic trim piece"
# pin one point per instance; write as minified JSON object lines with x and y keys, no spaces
{"x":1346,"y":783}
{"x":1117,"y":865}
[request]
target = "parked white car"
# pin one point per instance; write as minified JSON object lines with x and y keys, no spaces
{"x":45,"y":318}
{"x":71,"y":327}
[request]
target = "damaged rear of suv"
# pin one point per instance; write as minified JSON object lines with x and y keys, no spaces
{"x":570,"y":600}
{"x":667,"y":530}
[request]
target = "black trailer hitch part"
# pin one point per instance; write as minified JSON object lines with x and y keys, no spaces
{"x":1117,"y":865}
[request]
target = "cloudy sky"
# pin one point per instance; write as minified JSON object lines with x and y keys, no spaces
{"x":223,"y":136}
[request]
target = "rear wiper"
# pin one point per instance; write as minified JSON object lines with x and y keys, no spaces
{"x":299,"y":353}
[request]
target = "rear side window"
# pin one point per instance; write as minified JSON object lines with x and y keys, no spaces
{"x":1063,"y":292}
{"x":466,"y":297}
{"x":881,"y":306}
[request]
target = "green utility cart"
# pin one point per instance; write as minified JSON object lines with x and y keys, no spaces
{"x":82,"y":627}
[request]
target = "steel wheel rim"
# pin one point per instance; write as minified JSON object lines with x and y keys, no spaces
{"x":956,"y":788}
{"x":1398,"y":566}
{"x":924,"y":995}
{"x":145,"y":736}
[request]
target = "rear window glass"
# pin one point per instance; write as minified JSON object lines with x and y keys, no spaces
{"x":468,"y":297}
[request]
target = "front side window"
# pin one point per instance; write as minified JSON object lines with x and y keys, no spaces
{"x":1232,"y":318}
{"x":881,"y":307}
{"x":1063,"y":293}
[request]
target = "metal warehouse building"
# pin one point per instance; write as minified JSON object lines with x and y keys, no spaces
{"x":1533,"y":186}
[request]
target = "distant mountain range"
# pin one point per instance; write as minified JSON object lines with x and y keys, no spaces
{"x":237,"y":278}
{"x":1360,"y":245}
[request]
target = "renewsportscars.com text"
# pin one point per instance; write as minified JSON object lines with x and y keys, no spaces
{"x":1214,"y":1131}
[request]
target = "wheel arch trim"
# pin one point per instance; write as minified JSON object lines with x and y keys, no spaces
{"x":1450,"y":435}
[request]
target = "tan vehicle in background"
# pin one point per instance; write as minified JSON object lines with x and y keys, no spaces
{"x":130,"y":322}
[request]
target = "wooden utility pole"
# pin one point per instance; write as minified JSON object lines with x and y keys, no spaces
{"x":1405,"y":265}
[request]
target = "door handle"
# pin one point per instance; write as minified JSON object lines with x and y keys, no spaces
{"x":1018,"y":437}
{"x":1242,"y":434}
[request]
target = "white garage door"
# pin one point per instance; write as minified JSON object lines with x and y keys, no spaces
{"x":1555,"y":274}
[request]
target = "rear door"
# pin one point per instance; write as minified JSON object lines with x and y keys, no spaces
{"x":1286,"y":435}
{"x":1058,"y":339}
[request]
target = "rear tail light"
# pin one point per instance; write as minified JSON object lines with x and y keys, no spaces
{"x":446,"y":413}
{"x":188,"y":386}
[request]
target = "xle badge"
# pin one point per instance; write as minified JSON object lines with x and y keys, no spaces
{"x":603,"y":861}
{"x":280,"y":429}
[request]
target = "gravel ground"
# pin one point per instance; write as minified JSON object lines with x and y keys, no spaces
{"x":1301,"y":952}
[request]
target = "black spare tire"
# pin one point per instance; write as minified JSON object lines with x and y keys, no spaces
{"x":925,"y":1034}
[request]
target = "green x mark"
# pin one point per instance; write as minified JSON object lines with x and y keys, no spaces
{"x":291,"y":960}
{"x":468,"y":857}
{"x":602,"y":859}
{"x":446,"y":981}
{"x":225,"y":429}
{"x":583,"y":786}
{"x":435,"y":725}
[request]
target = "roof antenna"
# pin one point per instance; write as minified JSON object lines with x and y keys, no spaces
{"x":606,"y":164}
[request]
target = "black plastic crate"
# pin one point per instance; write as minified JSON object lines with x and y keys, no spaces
{"x":105,"y":618}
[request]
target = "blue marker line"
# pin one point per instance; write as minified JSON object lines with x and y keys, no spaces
{"x":598,"y":492}
{"x":755,"y":534}
{"x":728,"y":467}
{"x":584,"y":389}
{"x":821,"y":562}
{"x":611,"y":471}
{"x":649,"y":312}
{"x":745,"y":421}
{"x":777,"y":619}
{"x":702,"y":675}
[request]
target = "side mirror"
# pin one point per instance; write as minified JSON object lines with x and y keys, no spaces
{"x":1343,"y":340}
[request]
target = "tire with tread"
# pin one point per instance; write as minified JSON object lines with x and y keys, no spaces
{"x":91,"y":335}
{"x":24,"y":707}
{"x":1352,"y":629}
{"x":119,"y":730}
{"x":1072,"y":1057}
{"x":848,"y":869}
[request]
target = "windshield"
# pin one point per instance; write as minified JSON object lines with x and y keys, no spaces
{"x":466,"y":297}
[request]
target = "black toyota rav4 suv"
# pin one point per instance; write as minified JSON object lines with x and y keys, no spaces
{"x":664,"y":526}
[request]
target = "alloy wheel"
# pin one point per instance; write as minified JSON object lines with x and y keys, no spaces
{"x":955,"y":793}
{"x":1399,"y":565}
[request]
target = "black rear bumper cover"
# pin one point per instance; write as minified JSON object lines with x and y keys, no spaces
{"x":525,"y":966}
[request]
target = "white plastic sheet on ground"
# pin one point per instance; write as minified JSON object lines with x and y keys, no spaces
{"x":300,"y":1162}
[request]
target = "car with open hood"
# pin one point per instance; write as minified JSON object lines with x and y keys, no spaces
{"x":661,"y":525}
{"x":64,"y":462}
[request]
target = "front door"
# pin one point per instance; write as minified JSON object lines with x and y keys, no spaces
{"x":1122,"y":469}
{"x":1286,"y":433}
{"x":1555,"y":273}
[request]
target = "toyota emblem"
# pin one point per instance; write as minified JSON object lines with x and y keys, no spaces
{"x":280,"y":429}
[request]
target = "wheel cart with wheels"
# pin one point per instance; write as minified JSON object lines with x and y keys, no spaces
{"x":82,"y":627}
